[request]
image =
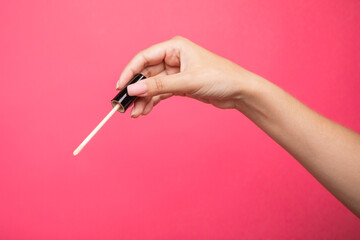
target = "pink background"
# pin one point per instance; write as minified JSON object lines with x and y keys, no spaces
{"x":188,"y":170}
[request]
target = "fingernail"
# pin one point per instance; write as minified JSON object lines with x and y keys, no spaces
{"x":132,"y":114}
{"x":137,"y":88}
{"x":117,"y":86}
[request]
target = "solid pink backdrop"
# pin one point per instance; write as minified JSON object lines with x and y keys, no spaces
{"x":187,"y":170}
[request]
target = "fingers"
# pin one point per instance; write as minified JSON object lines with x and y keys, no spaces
{"x":164,"y":96}
{"x":148,"y":57}
{"x":139,"y":106}
{"x":175,"y":83}
{"x":147,"y":72}
{"x":148,"y":107}
{"x":153,"y":70}
{"x":154,"y":101}
{"x":143,"y":106}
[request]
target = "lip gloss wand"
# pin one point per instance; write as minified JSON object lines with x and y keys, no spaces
{"x":120,"y":103}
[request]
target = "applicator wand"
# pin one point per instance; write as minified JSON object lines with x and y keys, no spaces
{"x":121,"y":102}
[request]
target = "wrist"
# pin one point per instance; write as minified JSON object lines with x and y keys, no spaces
{"x":251,"y":89}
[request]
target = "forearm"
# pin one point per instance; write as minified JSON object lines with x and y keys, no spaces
{"x":329,"y":151}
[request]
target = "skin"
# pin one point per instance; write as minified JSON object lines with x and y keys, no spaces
{"x":329,"y":151}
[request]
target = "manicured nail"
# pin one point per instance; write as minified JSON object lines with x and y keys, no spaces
{"x":137,"y":88}
{"x":132,"y":114}
{"x":117,"y":86}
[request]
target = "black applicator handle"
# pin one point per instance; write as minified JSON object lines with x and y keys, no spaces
{"x":123,"y":98}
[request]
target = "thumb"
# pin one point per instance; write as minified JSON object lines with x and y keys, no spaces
{"x":174,"y":83}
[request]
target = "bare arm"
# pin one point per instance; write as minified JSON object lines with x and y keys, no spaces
{"x":329,"y":151}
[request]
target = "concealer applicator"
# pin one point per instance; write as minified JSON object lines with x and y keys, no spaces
{"x":121,"y":102}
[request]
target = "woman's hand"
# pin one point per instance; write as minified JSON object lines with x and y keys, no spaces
{"x":180,"y":67}
{"x":330,"y":152}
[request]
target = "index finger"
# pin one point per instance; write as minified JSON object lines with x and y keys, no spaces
{"x":148,"y":57}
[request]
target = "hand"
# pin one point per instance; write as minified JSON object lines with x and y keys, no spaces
{"x":180,"y":67}
{"x":329,"y":151}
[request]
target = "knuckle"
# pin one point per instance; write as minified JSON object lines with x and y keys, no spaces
{"x":131,"y":70}
{"x":178,"y":38}
{"x":141,"y":58}
{"x":145,"y":60}
{"x":146,"y":72}
{"x":139,"y":54}
{"x":158,"y":84}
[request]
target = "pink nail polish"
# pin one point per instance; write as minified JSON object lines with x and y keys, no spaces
{"x":132,"y":114}
{"x":137,"y":88}
{"x":123,"y":98}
